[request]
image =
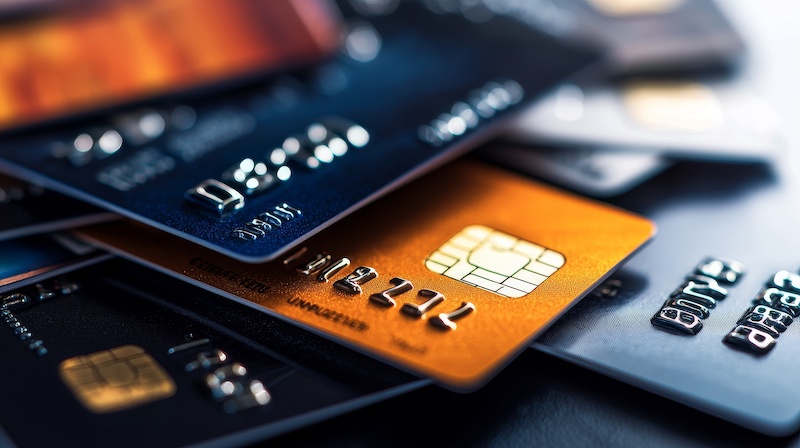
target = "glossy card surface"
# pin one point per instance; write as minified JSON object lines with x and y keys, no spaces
{"x":28,"y":209}
{"x":255,"y":173}
{"x":722,"y":120}
{"x":449,"y":277}
{"x":118,"y":354}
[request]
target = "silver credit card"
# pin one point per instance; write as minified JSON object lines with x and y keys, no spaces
{"x":715,"y":119}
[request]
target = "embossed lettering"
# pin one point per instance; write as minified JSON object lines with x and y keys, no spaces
{"x":386,"y":298}
{"x":767,"y":319}
{"x":446,"y":321}
{"x":677,"y":320}
{"x":433,"y":298}
{"x":750,"y":339}
{"x":352,"y":283}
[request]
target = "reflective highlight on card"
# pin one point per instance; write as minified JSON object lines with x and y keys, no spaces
{"x":448,"y":277}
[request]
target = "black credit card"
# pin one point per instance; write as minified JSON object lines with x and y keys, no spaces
{"x":117,"y":354}
{"x":28,"y":209}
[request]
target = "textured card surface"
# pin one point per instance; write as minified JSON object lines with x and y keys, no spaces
{"x":596,"y":171}
{"x":29,"y":209}
{"x":448,"y":277}
{"x":118,"y":354}
{"x":256,"y":172}
{"x":723,"y":120}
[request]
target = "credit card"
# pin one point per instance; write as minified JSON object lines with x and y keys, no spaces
{"x":722,"y":120}
{"x":256,"y":172}
{"x":596,"y":171}
{"x":707,"y":314}
{"x":29,"y":209}
{"x":645,"y":36}
{"x":449,"y":277}
{"x":90,"y":56}
{"x":24,"y":261}
{"x":118,"y":354}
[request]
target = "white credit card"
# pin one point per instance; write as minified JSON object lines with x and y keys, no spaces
{"x":721,"y":120}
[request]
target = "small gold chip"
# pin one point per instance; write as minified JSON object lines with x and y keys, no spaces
{"x":116,"y":379}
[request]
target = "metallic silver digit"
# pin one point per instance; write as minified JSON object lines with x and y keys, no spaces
{"x":750,"y":339}
{"x":703,"y":290}
{"x":255,"y":229}
{"x":224,"y":381}
{"x":271,"y":219}
{"x":244,"y":234}
{"x":207,"y":359}
{"x":255,"y":394}
{"x":216,"y":196}
{"x":721,"y":270}
{"x":15,"y":301}
{"x":315,"y":264}
{"x":786,"y":281}
{"x":674,"y":319}
{"x":689,"y":306}
{"x":767,"y":319}
{"x":352,"y":283}
{"x":289,"y":209}
{"x":433,"y":298}
{"x":386,"y":298}
{"x":335,"y":267}
{"x":780,"y":300}
{"x":446,"y":321}
{"x":259,"y":224}
{"x":284,"y":213}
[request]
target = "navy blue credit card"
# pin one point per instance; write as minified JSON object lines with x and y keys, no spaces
{"x":254,"y":172}
{"x":117,"y":354}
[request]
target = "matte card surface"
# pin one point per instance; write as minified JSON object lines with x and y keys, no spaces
{"x":116,"y":354}
{"x":449,"y":277}
{"x":255,"y":172}
{"x":706,"y":314}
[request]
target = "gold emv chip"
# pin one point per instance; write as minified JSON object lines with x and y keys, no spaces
{"x":495,"y":261}
{"x":116,"y":379}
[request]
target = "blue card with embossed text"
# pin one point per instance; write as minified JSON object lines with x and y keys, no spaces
{"x":254,"y":172}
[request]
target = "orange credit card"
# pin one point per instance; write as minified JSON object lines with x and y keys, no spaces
{"x":79,"y":56}
{"x":449,"y":277}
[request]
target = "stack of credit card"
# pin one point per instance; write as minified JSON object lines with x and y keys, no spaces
{"x":244,"y":218}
